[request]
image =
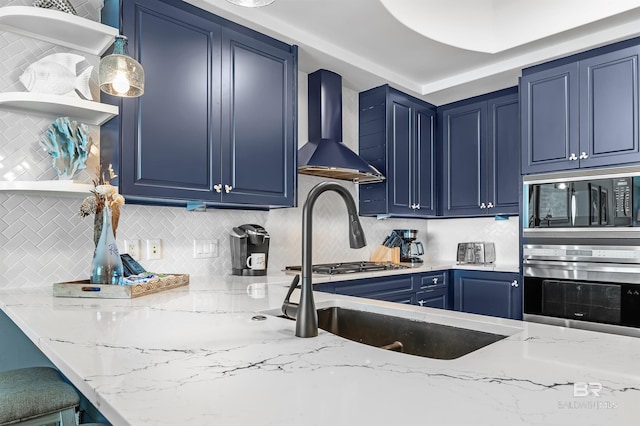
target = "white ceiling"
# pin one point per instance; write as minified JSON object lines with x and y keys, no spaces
{"x":445,"y":50}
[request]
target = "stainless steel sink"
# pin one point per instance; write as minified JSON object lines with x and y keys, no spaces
{"x":426,"y":339}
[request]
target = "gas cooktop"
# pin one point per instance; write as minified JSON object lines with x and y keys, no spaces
{"x":348,"y":267}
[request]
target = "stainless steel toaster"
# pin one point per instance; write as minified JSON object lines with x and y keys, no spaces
{"x":481,"y":252}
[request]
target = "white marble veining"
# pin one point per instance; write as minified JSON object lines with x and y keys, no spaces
{"x":193,"y":355}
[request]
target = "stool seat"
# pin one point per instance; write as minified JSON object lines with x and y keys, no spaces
{"x":31,"y":393}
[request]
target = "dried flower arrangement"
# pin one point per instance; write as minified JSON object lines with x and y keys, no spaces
{"x":103,"y":194}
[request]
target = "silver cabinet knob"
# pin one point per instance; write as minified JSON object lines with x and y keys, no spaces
{"x":421,"y":302}
{"x":218,"y":187}
{"x":435,"y":280}
{"x":483,"y":206}
{"x":418,"y":206}
{"x":584,"y":155}
{"x":413,"y":206}
{"x":490,"y":205}
{"x":572,"y":157}
{"x":514,"y":283}
{"x":228,"y":188}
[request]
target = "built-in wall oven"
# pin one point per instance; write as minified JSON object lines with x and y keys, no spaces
{"x":581,"y":249}
{"x":591,"y":287}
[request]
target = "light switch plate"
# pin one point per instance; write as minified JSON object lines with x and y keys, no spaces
{"x":205,"y":249}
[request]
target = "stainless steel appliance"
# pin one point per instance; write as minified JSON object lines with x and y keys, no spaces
{"x":479,"y":253}
{"x":348,"y":267}
{"x":249,"y":242}
{"x":593,"y":286}
{"x":582,"y":204}
{"x":410,"y":249}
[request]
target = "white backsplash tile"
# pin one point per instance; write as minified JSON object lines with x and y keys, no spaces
{"x":43,"y":240}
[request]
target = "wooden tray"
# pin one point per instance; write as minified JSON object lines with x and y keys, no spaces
{"x":84,"y":288}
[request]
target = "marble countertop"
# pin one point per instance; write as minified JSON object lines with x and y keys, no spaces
{"x":195,"y":355}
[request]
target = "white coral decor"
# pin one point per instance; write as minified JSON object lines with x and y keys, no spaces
{"x":68,"y":145}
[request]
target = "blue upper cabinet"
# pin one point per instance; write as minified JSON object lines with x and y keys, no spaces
{"x":217,"y":120}
{"x":258,"y":100}
{"x":549,"y":115}
{"x":582,"y":113}
{"x":397,"y":137}
{"x":481,"y":149}
{"x":609,"y":109}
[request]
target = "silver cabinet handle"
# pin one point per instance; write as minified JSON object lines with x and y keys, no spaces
{"x":490,"y":205}
{"x":218,"y":187}
{"x":418,"y":206}
{"x":413,"y":206}
{"x":483,"y":206}
{"x":514,"y":283}
{"x":435,"y":281}
{"x":584,"y":156}
{"x":228,"y":188}
{"x":572,"y":157}
{"x":421,"y":302}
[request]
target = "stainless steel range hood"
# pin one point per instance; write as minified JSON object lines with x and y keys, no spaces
{"x":325,"y":155}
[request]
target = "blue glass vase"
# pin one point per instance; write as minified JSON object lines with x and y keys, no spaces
{"x":106,"y":267}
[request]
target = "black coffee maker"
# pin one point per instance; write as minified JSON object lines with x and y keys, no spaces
{"x":410,"y":249}
{"x":249,"y":250}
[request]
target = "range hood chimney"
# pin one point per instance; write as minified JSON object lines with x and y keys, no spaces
{"x":325,"y":155}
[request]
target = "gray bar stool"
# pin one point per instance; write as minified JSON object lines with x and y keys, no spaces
{"x":36,"y":396}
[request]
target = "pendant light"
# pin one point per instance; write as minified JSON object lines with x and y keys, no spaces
{"x":251,"y":3}
{"x":119,"y":74}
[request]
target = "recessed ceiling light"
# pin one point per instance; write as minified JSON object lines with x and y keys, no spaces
{"x":251,"y":3}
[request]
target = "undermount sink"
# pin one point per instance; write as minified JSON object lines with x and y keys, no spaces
{"x":407,"y":331}
{"x":426,"y":339}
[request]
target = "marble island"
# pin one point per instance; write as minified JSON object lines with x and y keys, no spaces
{"x":196,"y":355}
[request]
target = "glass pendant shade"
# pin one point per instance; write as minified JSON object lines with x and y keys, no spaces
{"x":251,"y":3}
{"x":119,"y":74}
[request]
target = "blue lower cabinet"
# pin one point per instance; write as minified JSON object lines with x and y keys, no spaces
{"x":428,"y":289}
{"x":325,"y":288}
{"x":497,"y":294}
{"x":433,"y":299}
{"x":397,"y":288}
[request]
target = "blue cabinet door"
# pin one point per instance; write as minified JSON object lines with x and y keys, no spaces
{"x":464,"y":160}
{"x":503,"y":155}
{"x":609,"y":108}
{"x":258,"y":103}
{"x":168,"y":148}
{"x":397,"y":137}
{"x":496,"y":294}
{"x":481,"y":150}
{"x":400,"y":175}
{"x":424,"y":195}
{"x":549,"y":116}
{"x":432,"y":299}
{"x":397,"y":288}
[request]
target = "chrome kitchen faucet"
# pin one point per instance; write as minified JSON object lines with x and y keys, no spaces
{"x":305,"y":312}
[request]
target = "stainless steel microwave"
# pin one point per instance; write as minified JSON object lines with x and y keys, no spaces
{"x":581,"y":201}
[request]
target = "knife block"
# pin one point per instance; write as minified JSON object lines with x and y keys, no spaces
{"x":386,"y":254}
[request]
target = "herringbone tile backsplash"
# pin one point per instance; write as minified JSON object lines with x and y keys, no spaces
{"x":43,"y":240}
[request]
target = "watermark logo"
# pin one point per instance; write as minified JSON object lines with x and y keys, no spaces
{"x":582,"y":389}
{"x":585,"y":392}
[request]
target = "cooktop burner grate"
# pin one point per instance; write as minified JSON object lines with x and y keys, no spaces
{"x":348,"y":267}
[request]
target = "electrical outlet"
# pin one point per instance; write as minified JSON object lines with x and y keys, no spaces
{"x":205,"y":248}
{"x":154,"y":249}
{"x":133,"y":248}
